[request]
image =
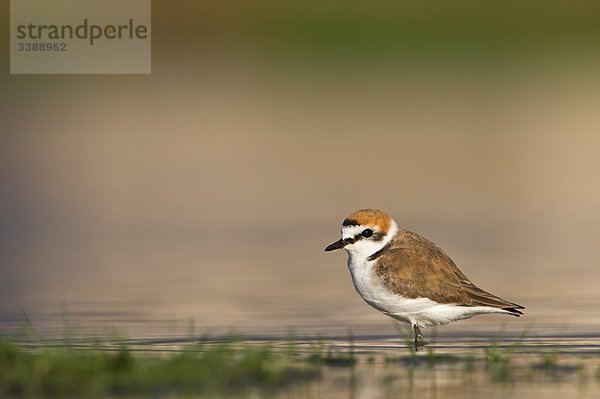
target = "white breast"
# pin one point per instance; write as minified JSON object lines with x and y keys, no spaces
{"x":375,"y":294}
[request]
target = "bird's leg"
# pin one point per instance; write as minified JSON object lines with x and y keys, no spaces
{"x":418,"y":338}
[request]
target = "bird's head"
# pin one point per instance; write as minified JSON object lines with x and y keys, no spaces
{"x":365,"y":232}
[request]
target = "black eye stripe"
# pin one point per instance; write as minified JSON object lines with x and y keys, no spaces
{"x":377,"y":236}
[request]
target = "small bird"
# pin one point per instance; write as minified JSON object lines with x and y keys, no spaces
{"x":408,"y":277}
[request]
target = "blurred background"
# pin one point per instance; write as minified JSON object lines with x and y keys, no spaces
{"x":208,"y":190}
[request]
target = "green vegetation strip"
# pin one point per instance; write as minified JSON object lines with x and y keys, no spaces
{"x":108,"y":368}
{"x":224,"y":368}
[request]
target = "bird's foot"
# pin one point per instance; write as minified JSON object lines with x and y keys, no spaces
{"x":419,"y":339}
{"x":419,"y":345}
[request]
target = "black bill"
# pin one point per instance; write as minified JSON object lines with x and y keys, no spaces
{"x":336,"y":245}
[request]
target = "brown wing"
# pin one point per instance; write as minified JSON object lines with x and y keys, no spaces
{"x":414,"y":267}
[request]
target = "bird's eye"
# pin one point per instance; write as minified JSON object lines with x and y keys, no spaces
{"x":367,"y":233}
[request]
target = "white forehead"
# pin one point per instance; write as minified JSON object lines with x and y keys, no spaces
{"x":353,"y":231}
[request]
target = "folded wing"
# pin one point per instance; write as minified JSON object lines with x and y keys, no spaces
{"x":414,"y":267}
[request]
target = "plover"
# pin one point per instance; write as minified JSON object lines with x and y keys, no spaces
{"x":408,"y":277}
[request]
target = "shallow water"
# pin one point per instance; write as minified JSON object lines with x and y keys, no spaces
{"x":453,"y":365}
{"x":159,"y":308}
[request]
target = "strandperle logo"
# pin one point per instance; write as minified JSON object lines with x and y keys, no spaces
{"x":80,"y":36}
{"x":85,"y":31}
